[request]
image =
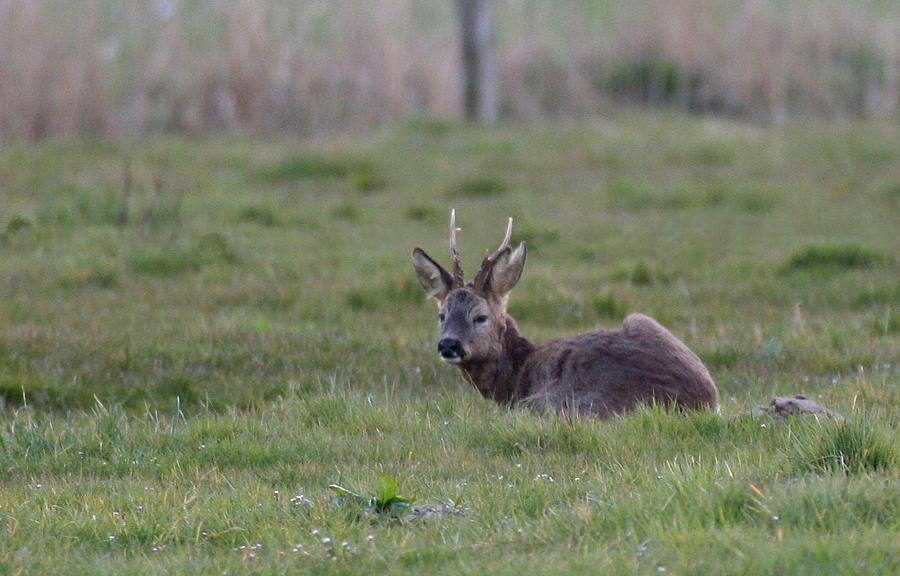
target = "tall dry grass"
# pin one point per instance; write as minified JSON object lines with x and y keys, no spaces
{"x":129,"y":67}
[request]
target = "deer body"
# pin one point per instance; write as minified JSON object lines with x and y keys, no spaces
{"x":601,"y":373}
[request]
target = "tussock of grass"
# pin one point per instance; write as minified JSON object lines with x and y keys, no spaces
{"x":555,"y":310}
{"x":846,"y":448}
{"x":641,"y":273}
{"x":423,"y":214}
{"x":385,"y":296}
{"x":606,"y":305}
{"x":833,"y":258}
{"x":304,"y":167}
{"x":477,"y":187}
{"x":537,"y":237}
{"x":362,"y":175}
{"x":347,"y":212}
{"x":264,"y":216}
{"x":209,"y":249}
{"x":16,"y":228}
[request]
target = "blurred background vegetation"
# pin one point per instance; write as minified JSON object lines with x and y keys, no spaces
{"x":127,"y":68}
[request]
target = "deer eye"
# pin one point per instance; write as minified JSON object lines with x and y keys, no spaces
{"x":481,"y":319}
{"x":441,"y":317}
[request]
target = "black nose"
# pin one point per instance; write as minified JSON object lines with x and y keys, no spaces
{"x":451,"y":349}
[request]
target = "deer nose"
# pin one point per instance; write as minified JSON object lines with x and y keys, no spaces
{"x":451,"y":349}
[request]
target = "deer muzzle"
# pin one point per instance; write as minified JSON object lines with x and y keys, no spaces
{"x":451,"y":350}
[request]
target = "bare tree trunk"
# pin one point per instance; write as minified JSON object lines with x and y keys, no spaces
{"x":479,"y":60}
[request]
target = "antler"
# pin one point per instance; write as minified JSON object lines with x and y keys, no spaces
{"x":487,"y":264}
{"x":454,"y":252}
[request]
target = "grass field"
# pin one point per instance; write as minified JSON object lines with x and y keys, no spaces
{"x":198,"y":337}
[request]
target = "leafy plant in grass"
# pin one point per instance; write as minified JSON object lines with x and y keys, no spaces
{"x":385,"y":504}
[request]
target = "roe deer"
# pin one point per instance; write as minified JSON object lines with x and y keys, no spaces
{"x":601,"y":373}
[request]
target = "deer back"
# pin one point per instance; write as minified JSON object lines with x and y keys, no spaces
{"x":610,"y":372}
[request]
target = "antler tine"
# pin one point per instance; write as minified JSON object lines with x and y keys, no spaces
{"x":506,"y":238}
{"x":454,"y":252}
{"x":503,"y":245}
{"x":488,"y":262}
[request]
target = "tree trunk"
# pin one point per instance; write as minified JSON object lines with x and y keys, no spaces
{"x":479,"y":60}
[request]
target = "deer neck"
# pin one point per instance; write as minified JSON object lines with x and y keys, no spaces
{"x":500,"y":378}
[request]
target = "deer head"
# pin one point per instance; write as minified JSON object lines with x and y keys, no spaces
{"x":472,"y":315}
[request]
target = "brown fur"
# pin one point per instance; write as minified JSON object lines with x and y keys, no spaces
{"x":602,"y":373}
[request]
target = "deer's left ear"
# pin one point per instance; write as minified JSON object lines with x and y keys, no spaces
{"x":436,"y":281}
{"x":506,"y":271}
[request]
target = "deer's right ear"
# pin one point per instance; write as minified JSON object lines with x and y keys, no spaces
{"x":436,"y":281}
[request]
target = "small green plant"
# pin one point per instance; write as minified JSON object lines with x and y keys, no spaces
{"x":385,"y":504}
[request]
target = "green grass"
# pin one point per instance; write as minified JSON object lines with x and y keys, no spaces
{"x":189,"y":361}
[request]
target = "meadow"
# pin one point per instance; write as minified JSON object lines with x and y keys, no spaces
{"x":198,"y":336}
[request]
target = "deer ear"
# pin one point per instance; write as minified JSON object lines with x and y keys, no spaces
{"x":506,"y":272}
{"x":436,"y":281}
